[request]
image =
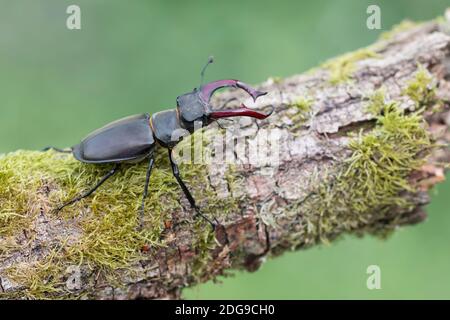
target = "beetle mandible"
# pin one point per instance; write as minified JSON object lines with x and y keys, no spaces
{"x":133,"y":139}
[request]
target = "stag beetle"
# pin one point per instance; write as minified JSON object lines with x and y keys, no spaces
{"x":133,"y":139}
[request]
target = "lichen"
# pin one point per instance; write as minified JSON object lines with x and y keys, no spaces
{"x":107,"y":238}
{"x":342,"y":67}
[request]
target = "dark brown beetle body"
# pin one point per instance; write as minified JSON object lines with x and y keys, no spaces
{"x":134,"y":138}
{"x":112,"y":144}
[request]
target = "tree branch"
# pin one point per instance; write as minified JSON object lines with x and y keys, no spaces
{"x":361,"y":140}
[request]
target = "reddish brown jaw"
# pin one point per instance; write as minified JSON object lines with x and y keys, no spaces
{"x":243,"y":111}
{"x":207,"y":90}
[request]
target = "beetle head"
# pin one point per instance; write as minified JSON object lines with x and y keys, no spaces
{"x":195,"y":106}
{"x":191,"y":110}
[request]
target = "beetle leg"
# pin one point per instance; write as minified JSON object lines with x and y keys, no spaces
{"x":89,"y":192}
{"x":176,"y":173}
{"x":144,"y":196}
{"x":56,"y":149}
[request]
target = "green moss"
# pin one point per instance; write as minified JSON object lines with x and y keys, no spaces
{"x":440,"y":20}
{"x":421,"y":89}
{"x":40,"y":279}
{"x":342,"y":67}
{"x":303,"y":106}
{"x":371,"y":181}
{"x":376,"y":102}
{"x":402,"y":26}
{"x":108,"y":235}
{"x":105,"y":236}
{"x":276,"y":79}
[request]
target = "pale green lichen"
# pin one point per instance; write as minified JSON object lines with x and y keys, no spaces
{"x":342,"y":67}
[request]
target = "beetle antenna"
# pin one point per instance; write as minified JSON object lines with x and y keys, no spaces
{"x":202,"y":74}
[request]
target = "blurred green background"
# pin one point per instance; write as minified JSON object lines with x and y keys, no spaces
{"x":133,"y":56}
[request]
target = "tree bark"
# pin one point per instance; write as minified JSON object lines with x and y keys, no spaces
{"x":316,"y":115}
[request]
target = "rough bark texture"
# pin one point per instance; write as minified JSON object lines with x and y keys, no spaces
{"x":270,"y":218}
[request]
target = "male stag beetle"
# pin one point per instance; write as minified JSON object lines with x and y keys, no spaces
{"x":133,"y":139}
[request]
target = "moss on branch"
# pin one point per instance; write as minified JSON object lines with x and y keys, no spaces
{"x":103,"y":233}
{"x":360,"y":183}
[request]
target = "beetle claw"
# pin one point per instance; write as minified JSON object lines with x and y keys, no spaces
{"x":207,"y":90}
{"x":255,"y":94}
{"x":272,"y":109}
{"x":260,"y":115}
{"x":243,"y":111}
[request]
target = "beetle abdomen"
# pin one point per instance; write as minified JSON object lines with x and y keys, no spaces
{"x":166,"y":128}
{"x":126,"y":139}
